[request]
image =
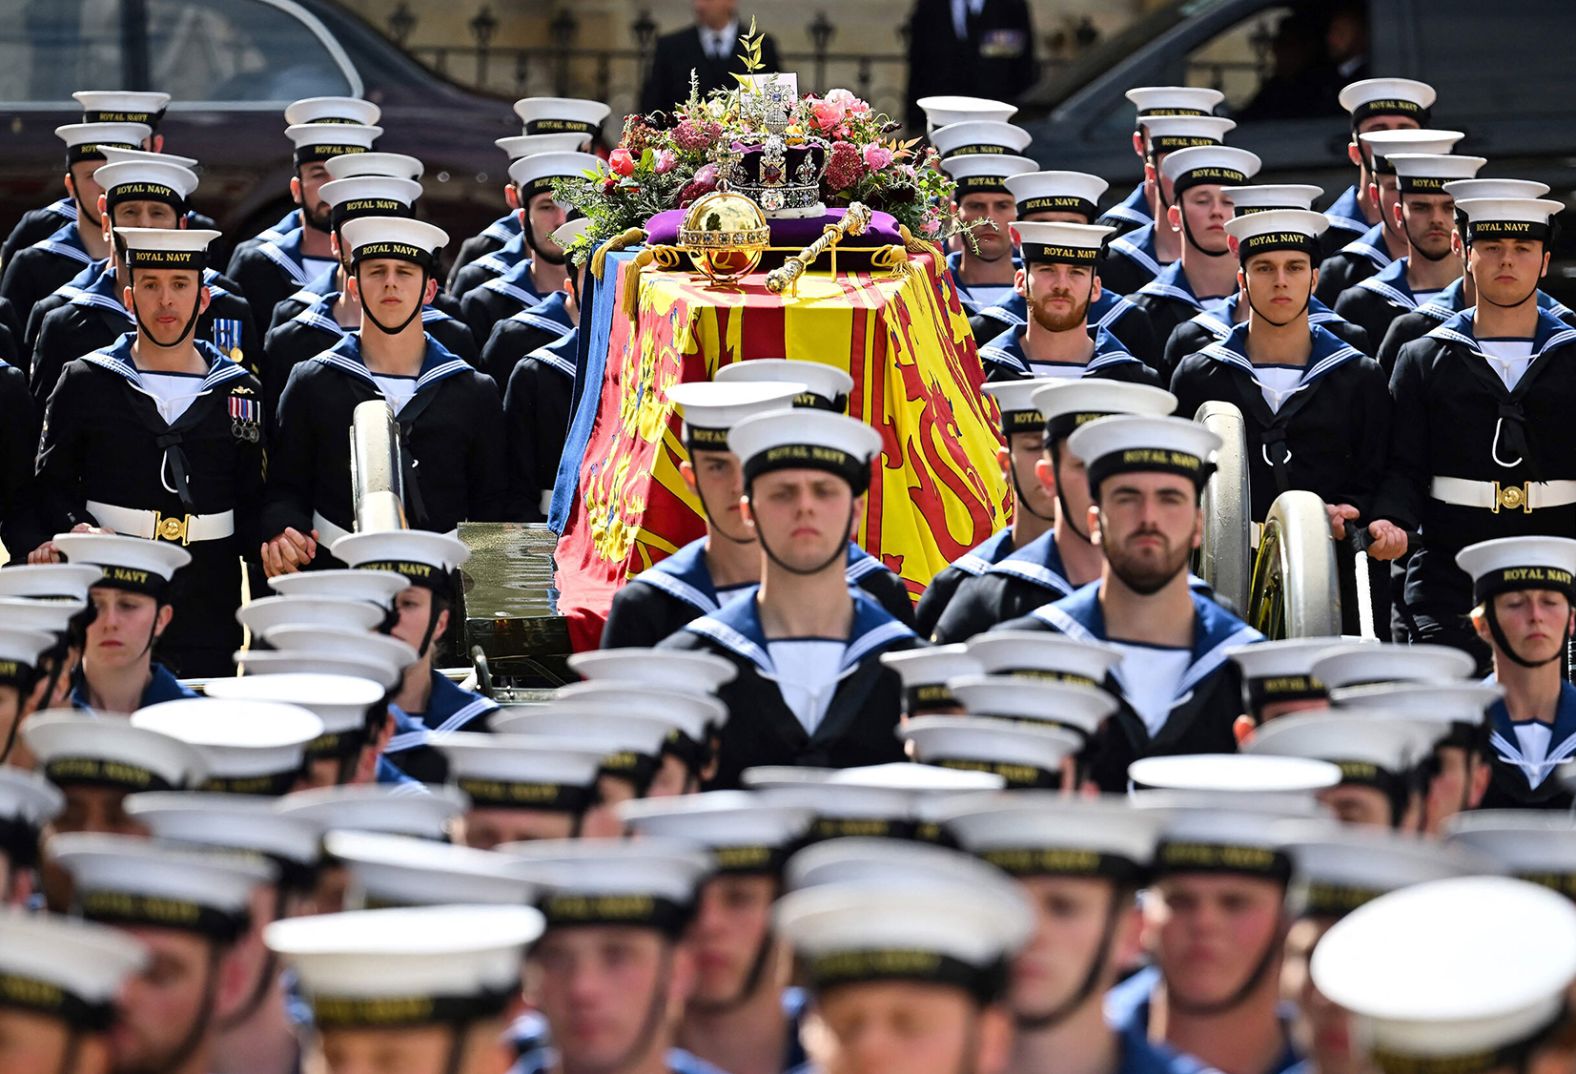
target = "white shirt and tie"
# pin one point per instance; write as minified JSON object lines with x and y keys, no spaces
{"x":961,"y":10}
{"x":719,"y":44}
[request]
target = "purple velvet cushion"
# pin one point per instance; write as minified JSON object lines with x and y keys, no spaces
{"x":664,"y":229}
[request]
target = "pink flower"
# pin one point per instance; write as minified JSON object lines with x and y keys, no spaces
{"x":828,"y":114}
{"x":667,"y":160}
{"x":621,"y":162}
{"x":843,"y":166}
{"x":695,"y":135}
{"x":930,"y":226}
{"x":877,"y":156}
{"x":706,"y":175}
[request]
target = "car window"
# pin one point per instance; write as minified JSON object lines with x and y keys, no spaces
{"x":50,"y":50}
{"x":237,"y":50}
{"x":1456,"y":42}
{"x":1283,"y":62}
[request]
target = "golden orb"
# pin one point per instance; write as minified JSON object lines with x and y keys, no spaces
{"x":724,"y":234}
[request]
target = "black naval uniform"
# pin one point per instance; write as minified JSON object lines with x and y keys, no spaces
{"x":944,"y":586}
{"x":37,"y":224}
{"x":1376,"y":302}
{"x":1429,"y":315}
{"x":1129,"y":214}
{"x":268,"y":272}
{"x":1352,"y":264}
{"x":1004,"y":359}
{"x":860,"y":724}
{"x":1130,"y":262}
{"x":1212,"y":327}
{"x":39,"y":269}
{"x":105,"y":442}
{"x":536,"y":413}
{"x":1455,"y":419}
{"x":1016,"y":585}
{"x":498,"y":298}
{"x":1519,"y":779}
{"x":1170,"y":302}
{"x":1117,"y":315}
{"x":659,"y":602}
{"x":327,"y":283}
{"x":1347,"y":222}
{"x":488,"y":240}
{"x":489,"y":266}
{"x":94,"y":317}
{"x":19,"y":532}
{"x":1207,"y":699}
{"x":515,"y":337}
{"x":450,"y":429}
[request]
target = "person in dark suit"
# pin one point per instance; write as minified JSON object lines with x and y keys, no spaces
{"x":983,"y":48}
{"x":710,"y":48}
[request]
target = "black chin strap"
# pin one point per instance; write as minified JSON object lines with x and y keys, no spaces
{"x":530,"y":240}
{"x":1522,"y":301}
{"x":711,"y":520}
{"x":656,"y":1011}
{"x":191,"y":322}
{"x":1306,"y":302}
{"x":1017,"y":488}
{"x":752,"y":980}
{"x":1504,"y":643}
{"x":199,"y":1031}
{"x":1060,"y":1013}
{"x":840,"y":553}
{"x":1236,"y":999}
{"x":1187,"y":234}
{"x":83,"y":209}
{"x":1417,"y":249}
{"x":68,"y":1055}
{"x":1061,"y":497}
{"x":366,"y":307}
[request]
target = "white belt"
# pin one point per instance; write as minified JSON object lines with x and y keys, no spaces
{"x":152,"y":525}
{"x":327,"y":532}
{"x":1527,"y":497}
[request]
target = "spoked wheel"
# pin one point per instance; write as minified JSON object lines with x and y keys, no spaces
{"x":1296,"y":591}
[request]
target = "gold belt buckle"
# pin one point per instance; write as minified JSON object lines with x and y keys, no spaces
{"x":1510,"y":497}
{"x":171,"y":528}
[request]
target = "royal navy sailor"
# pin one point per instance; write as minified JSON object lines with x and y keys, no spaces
{"x":1375,"y":104}
{"x":1137,"y":209}
{"x":983,"y":269}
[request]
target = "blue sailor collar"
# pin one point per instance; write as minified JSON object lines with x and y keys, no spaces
{"x":501,"y":260}
{"x":436,"y":362}
{"x":1038,"y":562}
{"x":320,"y":285}
{"x":985,"y":555}
{"x":1221,"y":322}
{"x":1329,"y":352}
{"x":965,"y":296}
{"x":65,"y":208}
{"x":409,"y":731}
{"x":116,"y":358}
{"x":450,"y":708}
{"x":1346,"y":214}
{"x":1134,"y":208}
{"x":736,"y":626}
{"x":503,"y":229}
{"x":1171,"y":282}
{"x":1006,"y":351}
{"x":559,"y":355}
{"x":1012,"y":310}
{"x":66,"y":241}
{"x":162,"y":686}
{"x":551,"y":314}
{"x":517,"y":284}
{"x":1215,"y":630}
{"x":1370,"y":244}
{"x":285,"y":251}
{"x":1139,"y":245}
{"x":1550,"y":331}
{"x":685,"y":576}
{"x":289,"y":222}
{"x":102,"y":288}
{"x":1453,"y":299}
{"x":1562,"y":737}
{"x":1390,"y":283}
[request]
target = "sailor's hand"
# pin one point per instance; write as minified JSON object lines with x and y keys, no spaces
{"x":1339,"y":514}
{"x":1389,"y":540}
{"x":49,"y":552}
{"x":288,"y":553}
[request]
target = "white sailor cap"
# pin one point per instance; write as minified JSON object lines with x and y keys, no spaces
{"x":1225,"y":829}
{"x":1154,"y":101}
{"x":1129,"y":443}
{"x":513,"y":771}
{"x":1041,"y":833}
{"x":696,"y":672}
{"x":397,"y":870}
{"x":1166,"y":134}
{"x":1337,"y":869}
{"x":980,"y":136}
{"x":855,"y":860}
{"x":1068,"y":404}
{"x":1201,"y":165}
{"x":342,"y":702}
{"x":125,"y":562}
{"x":1373,"y":748}
{"x":775,"y":776}
{"x":536,"y":173}
{"x":376,"y":807}
{"x":910,"y":925}
{"x":28,"y":801}
{"x":122,"y":106}
{"x":1507,"y":564}
{"x":130,"y":881}
{"x":375,"y":587}
{"x":31,"y":614}
{"x":561,"y":115}
{"x":630,"y":747}
{"x":410,"y":966}
{"x":1432,"y":982}
{"x":400,"y":238}
{"x":252,"y":747}
{"x":72,"y":747}
{"x":181,"y":249}
{"x":711,"y":408}
{"x":369,"y":195}
{"x":1228,"y":774}
{"x":1274,"y":671}
{"x":50,"y":581}
{"x":338,"y":642}
{"x":1026,"y":755}
{"x":826,"y":387}
{"x":318,"y":142}
{"x":1508,"y":218}
{"x":116,"y":155}
{"x":566,"y":234}
{"x":20,"y":648}
{"x":1518,"y":189}
{"x":264,"y":614}
{"x":806,"y":439}
{"x":1381,"y":145}
{"x":271,"y":662}
{"x":1069,"y":703}
{"x":65,"y":970}
{"x":391,"y":165}
{"x":1277,"y":229}
{"x":236,"y":823}
{"x":945,"y":109}
{"x":87,"y":141}
{"x":1057,"y":192}
{"x":1015,"y":402}
{"x":1248,"y":200}
{"x":691,"y":714}
{"x":1427,"y":173}
{"x":1535,"y":845}
{"x":877,"y":800}
{"x":426,"y":558}
{"x":1055,"y":242}
{"x":151,"y":180}
{"x":1388,"y":97}
{"x":925,"y":673}
{"x":525,"y":145}
{"x":744,"y":832}
{"x":985,"y":173}
{"x":1461,"y":701}
{"x":649,"y":882}
{"x":1361,"y":664}
{"x":340,"y":111}
{"x":1036,"y":654}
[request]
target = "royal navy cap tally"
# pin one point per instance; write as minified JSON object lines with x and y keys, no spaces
{"x":1057,"y":192}
{"x":398,"y":870}
{"x":1427,"y":173}
{"x":122,"y":106}
{"x":1166,"y":134}
{"x":647,"y":882}
{"x":806,"y":440}
{"x":374,"y":587}
{"x":687,"y":672}
{"x":744,"y":833}
{"x":826,"y":386}
{"x":1053,"y":242}
{"x":1070,"y":404}
{"x":711,"y":408}
{"x":1274,"y":671}
{"x":1026,"y":755}
{"x":1337,"y":869}
{"x":1044,"y":834}
{"x":1225,"y":831}
{"x":263,"y":615}
{"x":1248,"y":200}
{"x":561,"y":115}
{"x":876,"y":801}
{"x":1508,"y":218}
{"x":536,"y":173}
{"x":1069,"y":703}
{"x":1403,"y":97}
{"x":1264,"y":232}
{"x":1381,"y":145}
{"x":980,"y":136}
{"x":73,"y":748}
{"x":317,"y":142}
{"x":251,"y":747}
{"x":512,"y":771}
{"x":1535,"y":845}
{"x":1204,"y":165}
{"x":925,"y":673}
{"x":425,"y":557}
{"x":1155,"y":101}
{"x":525,"y":145}
{"x":985,"y":173}
{"x":1033,"y":654}
{"x":132,"y":563}
{"x":1462,"y":189}
{"x":342,"y":702}
{"x":1140,"y":444}
{"x":341,"y":111}
{"x":376,"y":807}
{"x":50,"y":581}
{"x":131,"y":881}
{"x":1507,"y":564}
{"x":389,"y":165}
{"x":63,"y":969}
{"x":20,"y":648}
{"x":369,"y":195}
{"x":1364,"y":663}
{"x":855,"y":860}
{"x":234,"y":823}
{"x":407,"y":966}
{"x":691,"y":714}
{"x":337,"y":641}
{"x":1431,"y":982}
{"x":87,"y":141}
{"x":28,"y":801}
{"x":179,"y":249}
{"x":30,"y":614}
{"x":152,"y":180}
{"x":401,"y":239}
{"x":1014,"y":401}
{"x":630,"y":747}
{"x":1370,"y":748}
{"x":944,"y":110}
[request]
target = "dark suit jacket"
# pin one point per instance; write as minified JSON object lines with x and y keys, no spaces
{"x":680,"y":52}
{"x":997,"y":60}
